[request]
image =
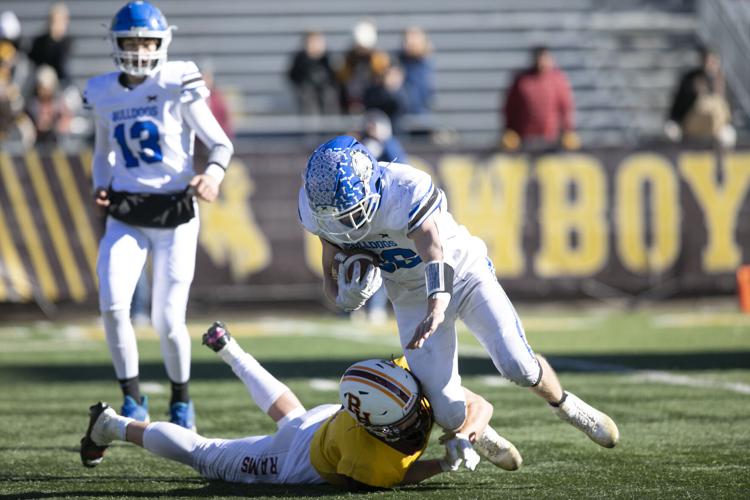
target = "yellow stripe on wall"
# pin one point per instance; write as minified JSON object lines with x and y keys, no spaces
{"x":12,"y":264}
{"x":77,"y":208}
{"x":29,"y":232}
{"x":55,"y":226}
{"x":86,"y":160}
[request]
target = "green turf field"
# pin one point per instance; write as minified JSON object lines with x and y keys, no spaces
{"x":676,"y":380}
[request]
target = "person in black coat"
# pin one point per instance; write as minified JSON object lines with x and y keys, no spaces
{"x":313,"y":78}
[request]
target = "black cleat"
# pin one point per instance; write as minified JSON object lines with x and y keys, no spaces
{"x":91,"y":453}
{"x":217,"y":337}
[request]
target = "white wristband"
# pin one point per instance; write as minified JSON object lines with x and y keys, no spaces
{"x":215,"y":171}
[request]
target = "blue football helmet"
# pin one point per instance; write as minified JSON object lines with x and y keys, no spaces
{"x":139,"y":20}
{"x":343,"y":189}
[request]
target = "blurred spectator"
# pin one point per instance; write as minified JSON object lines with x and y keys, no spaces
{"x":10,"y":30}
{"x":377,"y":136}
{"x":386,"y":91}
{"x":10,"y":26}
{"x":700,"y":111}
{"x":419,"y":73}
{"x":356,"y":72}
{"x":539,"y":106}
{"x":16,"y":130}
{"x":47,"y":108}
{"x":53,"y":47}
{"x":217,"y":103}
{"x":313,"y":77}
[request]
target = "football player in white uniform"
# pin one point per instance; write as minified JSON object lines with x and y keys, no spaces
{"x":147,"y":114}
{"x":374,"y":438}
{"x":434,"y":272}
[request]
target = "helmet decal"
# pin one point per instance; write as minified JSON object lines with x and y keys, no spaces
{"x":342,"y":189}
{"x":385,"y":399}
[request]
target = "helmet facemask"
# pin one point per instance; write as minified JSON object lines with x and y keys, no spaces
{"x":350,"y":225}
{"x":140,"y":62}
{"x":414,"y":425}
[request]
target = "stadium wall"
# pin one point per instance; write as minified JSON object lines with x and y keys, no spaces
{"x":650,"y":223}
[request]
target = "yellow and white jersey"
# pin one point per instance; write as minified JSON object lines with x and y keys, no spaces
{"x":150,"y":145}
{"x":342,"y":447}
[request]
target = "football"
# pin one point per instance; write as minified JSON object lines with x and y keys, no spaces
{"x":349,"y":259}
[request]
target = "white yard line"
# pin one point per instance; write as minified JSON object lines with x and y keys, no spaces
{"x":652,"y":376}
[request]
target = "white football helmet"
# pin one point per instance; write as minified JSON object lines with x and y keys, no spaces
{"x":385,"y":399}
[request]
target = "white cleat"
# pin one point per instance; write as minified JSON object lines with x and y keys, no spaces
{"x":595,"y":424}
{"x":498,"y":450}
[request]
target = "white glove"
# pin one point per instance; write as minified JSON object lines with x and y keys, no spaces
{"x":458,"y":449}
{"x":353,"y":294}
{"x":673,"y":131}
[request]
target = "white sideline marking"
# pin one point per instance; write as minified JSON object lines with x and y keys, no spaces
{"x":153,"y":387}
{"x":696,"y":319}
{"x":494,"y":381}
{"x":47,"y":346}
{"x":324,"y":384}
{"x":673,"y":379}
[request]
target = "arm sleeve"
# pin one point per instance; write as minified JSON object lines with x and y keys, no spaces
{"x":199,"y":117}
{"x":101,"y":159}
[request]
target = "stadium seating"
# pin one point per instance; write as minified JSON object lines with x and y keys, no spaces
{"x":622,"y":57}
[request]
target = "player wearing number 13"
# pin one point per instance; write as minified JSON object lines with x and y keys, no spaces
{"x":147,"y":114}
{"x":434,"y":272}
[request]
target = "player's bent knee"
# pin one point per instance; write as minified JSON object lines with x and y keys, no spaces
{"x":524,"y":376}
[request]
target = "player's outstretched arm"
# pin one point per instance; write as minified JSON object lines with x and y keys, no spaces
{"x":425,"y":469}
{"x":430,"y":249}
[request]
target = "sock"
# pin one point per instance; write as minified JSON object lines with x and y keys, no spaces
{"x":263,"y":387}
{"x":231,"y":351}
{"x":557,"y":405}
{"x":115,"y":427}
{"x":131,"y":387}
{"x":179,"y":393}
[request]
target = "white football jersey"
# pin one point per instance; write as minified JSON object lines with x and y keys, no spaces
{"x":408,"y":198}
{"x":151,"y":147}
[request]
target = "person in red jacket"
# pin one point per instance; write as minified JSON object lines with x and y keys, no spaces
{"x":539,"y":106}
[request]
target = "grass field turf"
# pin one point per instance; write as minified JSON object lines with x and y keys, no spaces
{"x":677,"y":382}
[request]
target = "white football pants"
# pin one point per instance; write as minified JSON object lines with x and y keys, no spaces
{"x":122,"y":254}
{"x":480,"y":301}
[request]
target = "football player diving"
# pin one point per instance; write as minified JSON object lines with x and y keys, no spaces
{"x":147,"y":115}
{"x":373,"y":439}
{"x":434,"y":272}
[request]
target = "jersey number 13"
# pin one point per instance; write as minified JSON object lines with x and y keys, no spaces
{"x":147,"y":134}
